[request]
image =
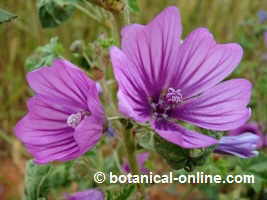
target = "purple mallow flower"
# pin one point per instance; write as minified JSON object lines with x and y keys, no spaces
{"x":243,"y":145}
{"x":111,"y":132}
{"x":262,"y":15}
{"x":65,"y":117}
{"x":91,"y":194}
{"x":163,"y":81}
{"x":141,"y":159}
{"x":253,"y":128}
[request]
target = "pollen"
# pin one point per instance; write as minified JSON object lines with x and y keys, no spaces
{"x":75,"y":119}
{"x":174,"y":96}
{"x":169,"y":100}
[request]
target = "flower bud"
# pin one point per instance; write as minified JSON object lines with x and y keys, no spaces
{"x":243,"y":145}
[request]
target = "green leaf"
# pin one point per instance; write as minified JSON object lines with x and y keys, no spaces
{"x":36,"y":180}
{"x":44,"y":55}
{"x":259,"y":167}
{"x":254,"y":166}
{"x":145,"y":139}
{"x":52,"y":13}
{"x":257,"y":186}
{"x":60,"y":176}
{"x":106,"y":42}
{"x":175,"y":156}
{"x":133,"y":5}
{"x":6,"y":16}
{"x":178,"y":157}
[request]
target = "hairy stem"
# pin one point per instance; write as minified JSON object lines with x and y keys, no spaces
{"x":130,"y":146}
{"x":91,"y":15}
{"x":122,"y":19}
{"x":114,"y":118}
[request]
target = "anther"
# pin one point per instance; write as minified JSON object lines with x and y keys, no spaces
{"x":174,"y":96}
{"x":75,"y":119}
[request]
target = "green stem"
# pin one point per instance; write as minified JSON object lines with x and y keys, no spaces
{"x":120,"y":21}
{"x":85,"y":11}
{"x":90,"y":15}
{"x":130,"y":146}
{"x":114,"y":118}
{"x":5,"y":137}
{"x":130,"y":149}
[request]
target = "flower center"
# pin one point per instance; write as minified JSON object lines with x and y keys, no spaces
{"x":75,"y":119}
{"x":166,"y":103}
{"x":173,"y":96}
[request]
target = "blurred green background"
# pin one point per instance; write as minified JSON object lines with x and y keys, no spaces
{"x":228,"y":20}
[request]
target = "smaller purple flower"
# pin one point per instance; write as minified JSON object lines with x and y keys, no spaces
{"x":243,"y":145}
{"x":111,"y":132}
{"x":253,"y":128}
{"x":262,"y":15}
{"x":65,"y":117}
{"x":91,"y":194}
{"x":141,"y":159}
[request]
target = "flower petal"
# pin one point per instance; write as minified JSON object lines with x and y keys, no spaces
{"x":186,"y":138}
{"x":222,"y":107}
{"x":29,"y":131}
{"x":44,"y":108}
{"x":64,"y":152}
{"x":203,"y":63}
{"x":153,"y":48}
{"x":94,"y":194}
{"x":88,"y":133}
{"x":61,"y":81}
{"x":132,"y":95}
{"x":249,"y":127}
{"x":95,"y":106}
{"x":46,"y":143}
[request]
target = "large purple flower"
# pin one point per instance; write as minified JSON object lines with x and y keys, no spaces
{"x":65,"y":117}
{"x":163,"y":81}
